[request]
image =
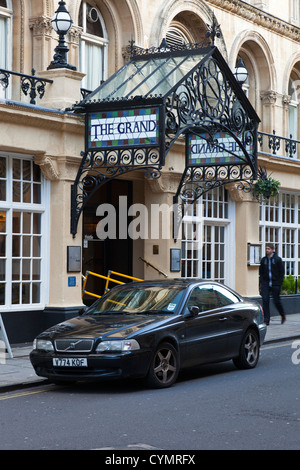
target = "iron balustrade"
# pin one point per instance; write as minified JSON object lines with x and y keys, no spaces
{"x":30,"y":84}
{"x":279,"y":146}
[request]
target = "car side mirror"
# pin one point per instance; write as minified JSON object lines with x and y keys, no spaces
{"x":192,"y":311}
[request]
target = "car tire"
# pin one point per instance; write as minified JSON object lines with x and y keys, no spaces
{"x":164,"y":367}
{"x":249,"y":351}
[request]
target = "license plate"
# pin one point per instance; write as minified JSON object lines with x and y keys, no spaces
{"x":69,"y":362}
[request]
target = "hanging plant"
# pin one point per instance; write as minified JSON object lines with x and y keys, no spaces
{"x":265,"y":186}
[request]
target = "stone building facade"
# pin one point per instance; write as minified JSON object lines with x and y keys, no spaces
{"x":41,"y":145}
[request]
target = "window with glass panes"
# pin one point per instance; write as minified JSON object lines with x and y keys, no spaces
{"x":204,"y":236}
{"x":21,"y":235}
{"x":93,"y":46}
{"x":279,"y":222}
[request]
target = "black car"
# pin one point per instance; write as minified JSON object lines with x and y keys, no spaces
{"x":152,"y":329}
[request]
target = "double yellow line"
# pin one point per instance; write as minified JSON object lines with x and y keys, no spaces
{"x":23,"y":394}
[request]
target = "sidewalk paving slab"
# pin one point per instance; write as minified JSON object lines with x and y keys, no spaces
{"x":17,"y":372}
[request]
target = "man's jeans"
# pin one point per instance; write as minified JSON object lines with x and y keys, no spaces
{"x":265,"y":293}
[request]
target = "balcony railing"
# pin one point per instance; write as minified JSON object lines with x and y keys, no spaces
{"x":31,"y":85}
{"x":272,"y":144}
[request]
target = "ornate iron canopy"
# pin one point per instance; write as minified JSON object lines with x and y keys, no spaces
{"x":134,"y":118}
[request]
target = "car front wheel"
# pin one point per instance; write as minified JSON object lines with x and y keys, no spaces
{"x":249,"y":351}
{"x":164,"y":367}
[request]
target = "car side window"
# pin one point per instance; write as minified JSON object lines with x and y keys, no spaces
{"x":203,"y":297}
{"x":225,"y":297}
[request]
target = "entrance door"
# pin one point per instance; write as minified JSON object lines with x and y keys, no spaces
{"x":100,"y":256}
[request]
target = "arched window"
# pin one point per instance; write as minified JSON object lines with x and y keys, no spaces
{"x":93,"y":46}
{"x":178,"y":33}
{"x":175,"y":36}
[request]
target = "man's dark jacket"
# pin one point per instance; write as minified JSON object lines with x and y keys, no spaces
{"x":277,"y":269}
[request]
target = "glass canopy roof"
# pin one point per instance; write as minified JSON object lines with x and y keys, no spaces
{"x":148,"y":77}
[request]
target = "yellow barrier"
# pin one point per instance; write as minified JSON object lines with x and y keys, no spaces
{"x":108,"y":280}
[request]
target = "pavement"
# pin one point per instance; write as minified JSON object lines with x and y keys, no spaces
{"x":17,"y":372}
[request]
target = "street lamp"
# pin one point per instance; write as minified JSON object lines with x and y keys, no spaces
{"x":61,"y":23}
{"x":241,"y":73}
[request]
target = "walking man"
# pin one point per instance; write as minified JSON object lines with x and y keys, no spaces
{"x":271,"y":273}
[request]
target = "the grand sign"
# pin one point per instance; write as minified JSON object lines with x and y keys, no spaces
{"x":123,"y":128}
{"x":223,"y":150}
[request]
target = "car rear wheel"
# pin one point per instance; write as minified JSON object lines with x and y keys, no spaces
{"x":164,"y":367}
{"x":249,"y":351}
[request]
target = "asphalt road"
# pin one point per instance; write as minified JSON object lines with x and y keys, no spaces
{"x":212,"y":407}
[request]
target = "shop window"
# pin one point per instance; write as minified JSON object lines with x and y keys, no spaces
{"x":22,"y":221}
{"x":93,"y":46}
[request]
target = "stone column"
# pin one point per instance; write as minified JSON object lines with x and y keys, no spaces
{"x":247,"y":231}
{"x":157,"y":246}
{"x":269,"y":98}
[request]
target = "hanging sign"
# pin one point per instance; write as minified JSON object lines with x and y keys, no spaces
{"x":123,"y":128}
{"x":224,"y":150}
{"x":4,"y":343}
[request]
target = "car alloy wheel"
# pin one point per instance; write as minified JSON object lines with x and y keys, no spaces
{"x":164,"y":367}
{"x":249,"y":351}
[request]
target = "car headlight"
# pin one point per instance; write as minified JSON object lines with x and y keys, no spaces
{"x":43,"y":345}
{"x":118,"y":345}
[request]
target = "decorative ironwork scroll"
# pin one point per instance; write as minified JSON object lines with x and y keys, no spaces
{"x":221,"y":129}
{"x":98,"y":167}
{"x":196,"y":181}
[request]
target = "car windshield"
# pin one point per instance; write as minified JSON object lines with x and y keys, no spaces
{"x":146,"y":299}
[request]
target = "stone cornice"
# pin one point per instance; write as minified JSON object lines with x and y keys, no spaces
{"x":14,"y":112}
{"x":258,"y":17}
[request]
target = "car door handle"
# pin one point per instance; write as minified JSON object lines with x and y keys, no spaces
{"x":223,"y":319}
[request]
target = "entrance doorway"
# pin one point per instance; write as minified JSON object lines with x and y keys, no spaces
{"x":100,"y":256}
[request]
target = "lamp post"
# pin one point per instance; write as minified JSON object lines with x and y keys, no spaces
{"x":241,"y":73}
{"x":61,"y":23}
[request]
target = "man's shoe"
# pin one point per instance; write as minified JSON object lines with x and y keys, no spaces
{"x":267,"y":323}
{"x":283,"y":318}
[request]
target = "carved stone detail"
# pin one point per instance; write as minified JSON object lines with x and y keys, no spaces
{"x":259,"y":17}
{"x":41,"y":26}
{"x":167,"y":183}
{"x":268,"y":97}
{"x":48,"y":167}
{"x":238,"y":195}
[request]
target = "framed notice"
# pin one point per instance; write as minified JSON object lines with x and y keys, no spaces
{"x":254,"y":254}
{"x":74,"y":259}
